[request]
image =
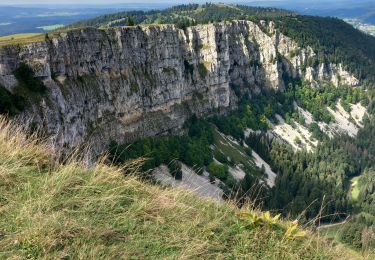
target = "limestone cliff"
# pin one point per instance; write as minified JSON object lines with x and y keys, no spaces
{"x":127,"y":82}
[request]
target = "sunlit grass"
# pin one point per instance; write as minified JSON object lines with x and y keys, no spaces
{"x":355,"y":188}
{"x":50,"y":210}
{"x":21,"y":39}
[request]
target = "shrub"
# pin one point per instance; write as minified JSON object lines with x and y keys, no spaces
{"x":175,"y":169}
{"x":220,"y":157}
{"x":202,"y":70}
{"x":169,"y":70}
{"x":218,"y":170}
{"x":297,"y":140}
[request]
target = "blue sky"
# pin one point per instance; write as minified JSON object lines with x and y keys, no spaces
{"x":106,"y":2}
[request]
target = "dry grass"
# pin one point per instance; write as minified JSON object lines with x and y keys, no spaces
{"x":49,"y":211}
{"x":21,"y":39}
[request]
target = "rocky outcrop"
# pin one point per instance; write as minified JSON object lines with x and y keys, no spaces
{"x":127,"y":82}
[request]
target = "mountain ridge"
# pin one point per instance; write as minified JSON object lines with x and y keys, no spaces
{"x":200,"y":65}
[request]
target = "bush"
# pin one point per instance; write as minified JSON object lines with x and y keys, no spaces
{"x":202,"y":70}
{"x":315,"y":131}
{"x":345,"y":104}
{"x":175,"y":169}
{"x":221,"y":157}
{"x":219,"y":171}
{"x":297,"y":140}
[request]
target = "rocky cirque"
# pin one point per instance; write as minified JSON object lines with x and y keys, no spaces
{"x":128,"y":82}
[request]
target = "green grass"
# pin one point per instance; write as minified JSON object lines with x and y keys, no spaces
{"x":203,"y":69}
{"x":355,"y":188}
{"x":21,"y":39}
{"x":50,"y":210}
{"x":331,"y":233}
{"x":234,"y":151}
{"x":26,"y":38}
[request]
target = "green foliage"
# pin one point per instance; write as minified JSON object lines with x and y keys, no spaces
{"x":305,"y":181}
{"x":175,"y":169}
{"x":315,"y":131}
{"x":134,"y":87}
{"x":182,"y":15}
{"x":221,"y":157}
{"x":345,"y":104}
{"x":366,"y":197}
{"x":192,"y":148}
{"x":358,"y":232}
{"x":202,"y":70}
{"x":261,"y":144}
{"x":248,"y":116}
{"x":170,"y":70}
{"x":297,"y":140}
{"x":21,"y":39}
{"x":293,"y":232}
{"x":255,"y":220}
{"x":219,"y":171}
{"x":317,"y":99}
{"x":130,"y":21}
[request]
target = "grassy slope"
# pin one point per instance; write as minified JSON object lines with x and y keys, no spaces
{"x":355,"y":188}
{"x":234,"y":151}
{"x":49,"y":210}
{"x":21,"y":39}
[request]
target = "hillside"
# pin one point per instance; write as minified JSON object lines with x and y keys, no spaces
{"x":182,"y":15}
{"x":275,"y":108}
{"x":57,"y":210}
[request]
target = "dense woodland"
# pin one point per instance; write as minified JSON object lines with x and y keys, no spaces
{"x":183,"y":15}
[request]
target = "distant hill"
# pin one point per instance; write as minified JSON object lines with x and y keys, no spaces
{"x":183,"y":15}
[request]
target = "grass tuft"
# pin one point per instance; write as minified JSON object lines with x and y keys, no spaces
{"x":52,"y":210}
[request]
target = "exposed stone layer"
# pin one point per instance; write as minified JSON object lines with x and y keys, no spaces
{"x":124,"y":83}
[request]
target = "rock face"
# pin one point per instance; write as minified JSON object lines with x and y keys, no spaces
{"x":125,"y":83}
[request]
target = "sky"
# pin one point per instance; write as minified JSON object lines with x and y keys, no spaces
{"x":106,"y":2}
